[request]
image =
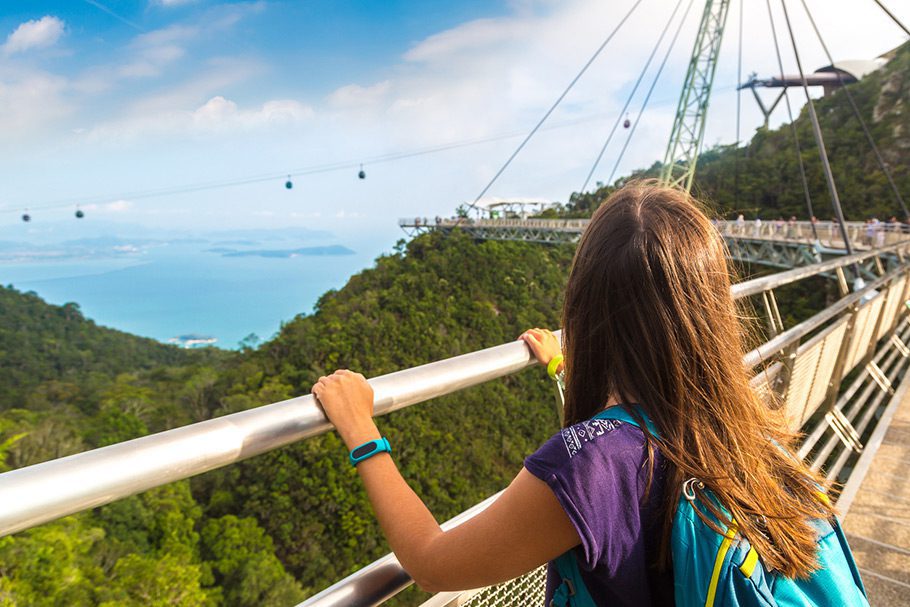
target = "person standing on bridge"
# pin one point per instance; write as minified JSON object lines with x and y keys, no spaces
{"x":650,"y":327}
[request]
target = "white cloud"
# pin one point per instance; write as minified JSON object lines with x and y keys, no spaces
{"x":116,"y":206}
{"x":342,"y":214}
{"x":38,"y":33}
{"x":170,"y":3}
{"x":220,"y":114}
{"x":151,"y":62}
{"x":470,"y":37}
{"x":217,"y":116}
{"x":31,"y":102}
{"x":353,"y":95}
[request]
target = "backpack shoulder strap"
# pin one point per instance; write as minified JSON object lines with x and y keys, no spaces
{"x":619,"y":413}
{"x":571,"y":591}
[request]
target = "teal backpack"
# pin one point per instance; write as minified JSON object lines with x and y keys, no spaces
{"x":710,"y":569}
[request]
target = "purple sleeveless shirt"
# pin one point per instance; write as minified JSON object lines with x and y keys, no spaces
{"x":598,"y":471}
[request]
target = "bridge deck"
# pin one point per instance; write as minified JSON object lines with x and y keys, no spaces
{"x":878,"y":520}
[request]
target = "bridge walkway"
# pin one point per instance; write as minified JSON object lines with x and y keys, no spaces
{"x":773,"y":244}
{"x":878,"y":520}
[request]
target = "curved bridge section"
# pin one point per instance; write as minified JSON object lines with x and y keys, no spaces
{"x":776,"y":244}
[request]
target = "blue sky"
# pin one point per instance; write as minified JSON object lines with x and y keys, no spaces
{"x":105,"y":100}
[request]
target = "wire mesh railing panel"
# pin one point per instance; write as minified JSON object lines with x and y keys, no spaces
{"x":862,"y":331}
{"x":800,"y":385}
{"x":528,"y":589}
{"x":830,"y":351}
{"x":894,"y":300}
{"x":763,"y":383}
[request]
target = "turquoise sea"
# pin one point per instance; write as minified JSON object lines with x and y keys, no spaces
{"x":185,"y":288}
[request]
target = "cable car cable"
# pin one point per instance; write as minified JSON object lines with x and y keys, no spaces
{"x":323,"y":168}
{"x":859,"y":117}
{"x":799,"y":152}
{"x":625,"y":107}
{"x":739,"y":79}
{"x":313,"y":169}
{"x":644,"y":104}
{"x":473,"y":205}
{"x":893,"y":17}
{"x":820,"y":141}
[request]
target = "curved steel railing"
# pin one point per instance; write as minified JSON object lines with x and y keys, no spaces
{"x":50,"y":490}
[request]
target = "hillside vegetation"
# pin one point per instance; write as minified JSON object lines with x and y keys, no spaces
{"x":283,"y":525}
{"x":41,"y":343}
{"x":241,"y":535}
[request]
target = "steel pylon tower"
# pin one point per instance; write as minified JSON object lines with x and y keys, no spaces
{"x":691,"y":113}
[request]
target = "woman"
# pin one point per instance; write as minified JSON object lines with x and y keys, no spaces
{"x":648,"y":319}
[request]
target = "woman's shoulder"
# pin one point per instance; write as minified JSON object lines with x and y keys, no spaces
{"x":598,"y":470}
{"x":597,"y":440}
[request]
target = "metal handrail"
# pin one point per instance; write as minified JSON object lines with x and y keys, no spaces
{"x":795,"y":333}
{"x":767,"y":227}
{"x":54,"y":489}
{"x":756,"y":286}
{"x":50,"y":490}
{"x":384,"y":578}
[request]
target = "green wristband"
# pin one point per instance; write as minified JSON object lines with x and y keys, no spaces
{"x":553,"y":365}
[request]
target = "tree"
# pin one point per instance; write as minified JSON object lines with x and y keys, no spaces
{"x":146,"y":581}
{"x":243,"y":561}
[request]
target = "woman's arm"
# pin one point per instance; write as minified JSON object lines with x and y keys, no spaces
{"x":524,"y":528}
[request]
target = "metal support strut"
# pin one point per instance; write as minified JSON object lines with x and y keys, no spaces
{"x":691,"y":113}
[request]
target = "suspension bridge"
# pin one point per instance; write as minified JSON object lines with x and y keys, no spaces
{"x":772,"y":244}
{"x":840,"y":375}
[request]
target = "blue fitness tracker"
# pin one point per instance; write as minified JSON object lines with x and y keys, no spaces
{"x":369,"y":449}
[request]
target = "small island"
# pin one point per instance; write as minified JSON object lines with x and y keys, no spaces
{"x":332,"y":250}
{"x":193,"y":340}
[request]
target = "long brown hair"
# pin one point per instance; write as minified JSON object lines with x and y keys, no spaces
{"x":649,"y":319}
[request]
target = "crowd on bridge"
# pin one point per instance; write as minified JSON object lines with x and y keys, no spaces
{"x":872,"y":232}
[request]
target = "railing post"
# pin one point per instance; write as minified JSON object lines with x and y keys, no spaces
{"x":782,"y":381}
{"x":842,"y":285}
{"x":775,"y":322}
{"x":837,"y":374}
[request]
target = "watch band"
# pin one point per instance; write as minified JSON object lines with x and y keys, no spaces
{"x":369,"y":449}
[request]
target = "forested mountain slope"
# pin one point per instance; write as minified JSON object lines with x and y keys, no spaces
{"x":214,"y":540}
{"x":41,"y":342}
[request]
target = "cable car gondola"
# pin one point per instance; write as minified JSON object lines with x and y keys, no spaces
{"x":362,"y":174}
{"x":79,"y":213}
{"x":26,"y":217}
{"x":289,"y":184}
{"x":626,"y":123}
